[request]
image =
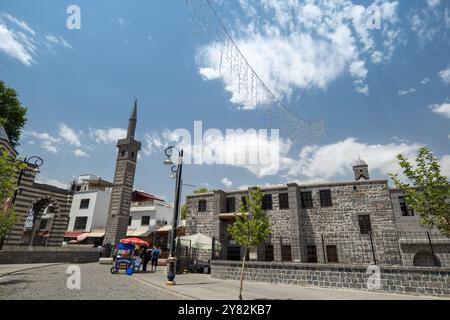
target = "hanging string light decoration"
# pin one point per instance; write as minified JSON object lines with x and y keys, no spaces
{"x":248,"y":87}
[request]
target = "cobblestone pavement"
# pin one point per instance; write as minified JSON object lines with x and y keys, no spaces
{"x":97,"y":283}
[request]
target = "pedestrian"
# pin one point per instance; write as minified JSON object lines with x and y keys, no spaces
{"x":115,"y":251}
{"x":146,"y":259}
{"x":156,"y":252}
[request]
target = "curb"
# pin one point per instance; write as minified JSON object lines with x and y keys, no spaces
{"x":162,"y":288}
{"x":31,"y":268}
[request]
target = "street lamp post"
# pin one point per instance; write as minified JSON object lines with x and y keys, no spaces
{"x":177,"y":171}
{"x":35,"y":163}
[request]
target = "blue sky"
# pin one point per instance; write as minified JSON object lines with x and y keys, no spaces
{"x":379,"y":91}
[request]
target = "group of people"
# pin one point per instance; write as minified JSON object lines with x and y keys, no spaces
{"x":149,"y":255}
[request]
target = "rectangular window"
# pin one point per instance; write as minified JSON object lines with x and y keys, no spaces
{"x":43,"y":224}
{"x":284,"y":200}
{"x":202,"y":206}
{"x":234,"y":253}
{"x":267,"y":202}
{"x":145,"y":220}
{"x":364,"y":224}
{"x":312,"y":254}
{"x":332,"y":256}
{"x":406,"y":212}
{"x":269,"y":252}
{"x":307,"y":200}
{"x":286,"y":252}
{"x":244,"y":203}
{"x":80,"y":223}
{"x":231,"y":205}
{"x":129,"y":221}
{"x":84,"y":203}
{"x":325,"y":198}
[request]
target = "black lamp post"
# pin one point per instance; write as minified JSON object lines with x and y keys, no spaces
{"x":176,"y":170}
{"x":35,"y":163}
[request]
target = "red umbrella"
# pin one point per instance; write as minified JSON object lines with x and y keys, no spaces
{"x":135,"y":241}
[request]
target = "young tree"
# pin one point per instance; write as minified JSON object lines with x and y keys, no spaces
{"x":251,"y":228}
{"x":201,"y":190}
{"x":12,"y":113}
{"x":428,"y":192}
{"x":184,"y":211}
{"x":9,"y":169}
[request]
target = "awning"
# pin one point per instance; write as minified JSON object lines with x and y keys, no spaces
{"x":137,"y":233}
{"x":72,"y":234}
{"x":166,"y":228}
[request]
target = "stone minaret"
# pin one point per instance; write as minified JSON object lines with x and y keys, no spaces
{"x":119,"y":207}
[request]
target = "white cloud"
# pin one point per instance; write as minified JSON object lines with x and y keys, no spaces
{"x":57,"y":40}
{"x":445,"y":75}
{"x":48,"y":142}
{"x":17,"y":45}
{"x":442,"y":109}
{"x":108,"y":136}
{"x":407,"y":91}
{"x":80,"y":153}
{"x":303,"y":46}
{"x":425,"y":81}
{"x":335,"y":160}
{"x":227,"y":182}
{"x":69,"y":135}
{"x":433,"y":3}
{"x":22,"y":24}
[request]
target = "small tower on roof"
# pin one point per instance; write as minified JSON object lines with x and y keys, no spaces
{"x":361,"y":169}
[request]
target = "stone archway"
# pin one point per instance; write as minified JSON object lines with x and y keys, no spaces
{"x":37,"y":233}
{"x":425,"y":258}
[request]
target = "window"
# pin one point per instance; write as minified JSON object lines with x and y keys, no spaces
{"x":80,"y":223}
{"x":234,"y":253}
{"x":145,"y":220}
{"x":244,"y":203}
{"x":325,"y":198}
{"x":129,"y":221}
{"x":202,"y":206}
{"x":132,"y":155}
{"x":231,"y":205}
{"x":43,"y":224}
{"x":311,"y":251}
{"x":406,"y":212}
{"x":332,"y":254}
{"x":364,"y":224}
{"x":286,"y":252}
{"x":307,"y":201}
{"x":267,"y":202}
{"x":284,"y":200}
{"x":84,"y":203}
{"x":268,"y":252}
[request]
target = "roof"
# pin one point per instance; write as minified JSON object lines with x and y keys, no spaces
{"x":3,"y":134}
{"x":359,"y":162}
{"x":140,"y":196}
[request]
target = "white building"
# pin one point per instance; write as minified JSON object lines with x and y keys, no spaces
{"x":90,"y":205}
{"x":147,"y":214}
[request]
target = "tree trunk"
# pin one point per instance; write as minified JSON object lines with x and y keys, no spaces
{"x":242,"y":274}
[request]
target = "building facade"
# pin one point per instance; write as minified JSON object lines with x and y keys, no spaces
{"x":356,"y":222}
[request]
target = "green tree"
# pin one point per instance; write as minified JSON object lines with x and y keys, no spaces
{"x":12,"y":113}
{"x":201,"y":190}
{"x":428,"y":190}
{"x":184,"y":211}
{"x":8,"y":184}
{"x":251,"y":227}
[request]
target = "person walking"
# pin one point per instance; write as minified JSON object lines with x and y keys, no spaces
{"x":146,"y":259}
{"x":156,"y":252}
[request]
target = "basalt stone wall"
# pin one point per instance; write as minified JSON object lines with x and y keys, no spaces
{"x":22,"y":255}
{"x":394,"y":279}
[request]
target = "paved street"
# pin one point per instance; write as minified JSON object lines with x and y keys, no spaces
{"x":49,"y":282}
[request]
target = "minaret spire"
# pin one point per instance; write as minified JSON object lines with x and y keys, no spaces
{"x":132,"y":121}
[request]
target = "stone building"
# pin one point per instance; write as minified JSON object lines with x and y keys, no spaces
{"x":119,"y":208}
{"x":348,"y":222}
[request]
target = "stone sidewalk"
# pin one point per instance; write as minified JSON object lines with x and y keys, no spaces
{"x":6,"y":269}
{"x":203,"y":287}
